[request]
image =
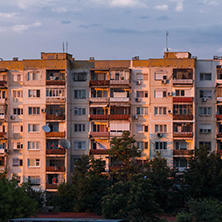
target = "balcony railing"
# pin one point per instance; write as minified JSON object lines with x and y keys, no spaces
{"x":99,"y":99}
{"x":219,"y":135}
{"x":183,"y":152}
{"x":99,"y":117}
{"x":219,"y":152}
{"x":2,"y":134}
{"x":119,"y":117}
{"x":183,"y":99}
{"x":51,"y":186}
{"x":219,"y":117}
{"x":182,"y":117}
{"x":98,"y":151}
{"x":183,"y":134}
{"x":182,"y":81}
{"x":99,"y":134}
{"x":3,"y":84}
{"x":2,"y":101}
{"x":55,"y":82}
{"x":55,"y":117}
{"x":119,"y":82}
{"x":116,"y":134}
{"x":55,"y":134}
{"x":99,"y":82}
{"x":56,"y":151}
{"x":55,"y":169}
{"x":119,"y":99}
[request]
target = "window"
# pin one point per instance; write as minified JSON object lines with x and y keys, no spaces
{"x":159,"y":110}
{"x":33,"y":76}
{"x":55,"y":92}
{"x":79,"y":145}
{"x":141,"y":110}
{"x":160,"y":145}
{"x":17,"y":145}
{"x":34,"y":180}
{"x":141,"y":128}
{"x":80,"y":77}
{"x":160,"y":76}
{"x":205,"y":129}
{"x":179,"y":109}
{"x":159,"y":93}
{"x":181,"y":145}
{"x":16,"y":162}
{"x":180,"y":92}
{"x":205,"y":93}
{"x":33,"y":127}
{"x":205,"y":111}
{"x":80,"y":94}
{"x":2,"y":146}
{"x":17,"y":128}
{"x":33,"y":145}
{"x":2,"y":94}
{"x":142,"y":145}
{"x":79,"y":111}
{"x":142,"y":76}
{"x":141,"y":94}
{"x":33,"y":162}
{"x":205,"y":76}
{"x":17,"y":94}
{"x":17,"y":77}
{"x":79,"y":127}
{"x":205,"y":144}
{"x":160,"y":128}
{"x":32,"y":93}
{"x":17,"y":111}
{"x":33,"y":110}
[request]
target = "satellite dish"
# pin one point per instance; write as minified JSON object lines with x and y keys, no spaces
{"x":46,"y":129}
{"x":65,"y":144}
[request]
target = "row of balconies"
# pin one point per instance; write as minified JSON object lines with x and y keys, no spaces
{"x":108,"y":82}
{"x":109,"y":117}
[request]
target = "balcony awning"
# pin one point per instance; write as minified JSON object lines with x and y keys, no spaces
{"x":98,"y":105}
{"x":119,"y":104}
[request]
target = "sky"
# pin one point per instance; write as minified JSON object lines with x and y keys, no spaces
{"x":110,"y":29}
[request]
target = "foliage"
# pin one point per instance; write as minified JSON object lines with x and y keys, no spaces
{"x":133,"y":200}
{"x":184,"y":217}
{"x":204,"y":176}
{"x":14,"y":201}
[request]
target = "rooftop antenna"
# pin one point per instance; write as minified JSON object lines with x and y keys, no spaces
{"x":63,"y":46}
{"x":167,"y":41}
{"x":66,"y":46}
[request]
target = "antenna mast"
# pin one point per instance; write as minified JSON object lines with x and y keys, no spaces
{"x":63,"y":47}
{"x":167,"y":41}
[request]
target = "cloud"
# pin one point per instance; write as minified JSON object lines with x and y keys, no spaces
{"x":89,"y":26}
{"x":21,"y":28}
{"x":8,"y":15}
{"x":163,"y":7}
{"x":60,"y":10}
{"x":219,"y":50}
{"x":179,"y":5}
{"x":66,"y":22}
{"x":131,"y":31}
{"x":144,"y":17}
{"x":162,"y":18}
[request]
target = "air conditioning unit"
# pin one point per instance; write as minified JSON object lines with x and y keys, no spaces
{"x":165,"y":77}
{"x":159,"y":134}
{"x":135,"y":117}
{"x":138,"y":99}
{"x":204,"y":99}
{"x":43,"y":110}
{"x":138,"y":82}
{"x":164,"y":81}
{"x":170,"y":94}
{"x":12,"y":117}
{"x":170,"y":111}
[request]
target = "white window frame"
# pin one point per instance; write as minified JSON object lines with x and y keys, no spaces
{"x":35,"y":162}
{"x":33,"y":145}
{"x":17,"y":111}
{"x":34,"y":93}
{"x":33,"y":76}
{"x":79,"y":111}
{"x":34,"y":110}
{"x":160,"y":111}
{"x":206,"y":110}
{"x":35,"y":128}
{"x":81,"y":127}
{"x":79,"y":94}
{"x":160,"y":145}
{"x":34,"y":180}
{"x":203,"y":76}
{"x":79,"y":145}
{"x":141,"y":110}
{"x":160,"y":128}
{"x":205,"y":129}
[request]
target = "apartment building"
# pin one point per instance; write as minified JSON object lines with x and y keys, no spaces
{"x":170,"y":105}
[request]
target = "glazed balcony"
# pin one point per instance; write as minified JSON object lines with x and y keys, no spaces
{"x":119,"y":99}
{"x":116,"y":134}
{"x":119,"y":82}
{"x":55,"y":151}
{"x":98,"y":151}
{"x":182,"y":117}
{"x":183,"y":134}
{"x":182,"y":81}
{"x":99,"y":99}
{"x":3,"y":84}
{"x":55,"y":117}
{"x":55,"y":169}
{"x":55,"y":82}
{"x":2,"y":135}
{"x":99,"y":117}
{"x":52,"y":186}
{"x":55,"y":134}
{"x":183,"y":99}
{"x":183,"y":152}
{"x":219,"y":117}
{"x":119,"y":117}
{"x":99,"y":83}
{"x":99,"y":134}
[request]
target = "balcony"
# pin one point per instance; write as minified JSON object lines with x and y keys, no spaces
{"x":99,"y":134}
{"x":55,"y":82}
{"x":219,"y":99}
{"x":2,"y":101}
{"x":119,"y":82}
{"x":55,"y":169}
{"x":55,"y":151}
{"x":99,"y":99}
{"x":116,"y":134}
{"x":118,"y":99}
{"x":119,"y":117}
{"x":55,"y":117}
{"x":183,"y":134}
{"x":55,"y":134}
{"x":99,"y":83}
{"x":183,"y":152}
{"x":98,"y":151}
{"x":99,"y":117}
{"x":3,"y":84}
{"x":219,"y":135}
{"x":182,"y":117}
{"x":219,"y":117}
{"x":182,"y":81}
{"x":51,"y":186}
{"x":219,"y":152}
{"x":183,"y":99}
{"x":2,"y":135}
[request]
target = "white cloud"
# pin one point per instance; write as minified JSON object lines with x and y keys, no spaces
{"x":219,"y":50}
{"x":8,"y":15}
{"x":21,"y":28}
{"x":162,"y":7}
{"x":179,"y":5}
{"x":60,"y":10}
{"x":25,"y":4}
{"x":213,"y":3}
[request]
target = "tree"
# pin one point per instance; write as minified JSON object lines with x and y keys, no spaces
{"x":122,"y":154}
{"x":203,"y":179}
{"x":132,"y":200}
{"x":14,"y":201}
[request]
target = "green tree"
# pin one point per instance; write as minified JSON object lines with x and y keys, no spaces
{"x":14,"y":201}
{"x":122,"y":154}
{"x":203,"y":179}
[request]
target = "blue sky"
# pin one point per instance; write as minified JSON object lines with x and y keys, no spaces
{"x":110,"y":29}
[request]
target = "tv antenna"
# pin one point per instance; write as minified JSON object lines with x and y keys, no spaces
{"x":46,"y":128}
{"x":167,"y":33}
{"x":64,"y":144}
